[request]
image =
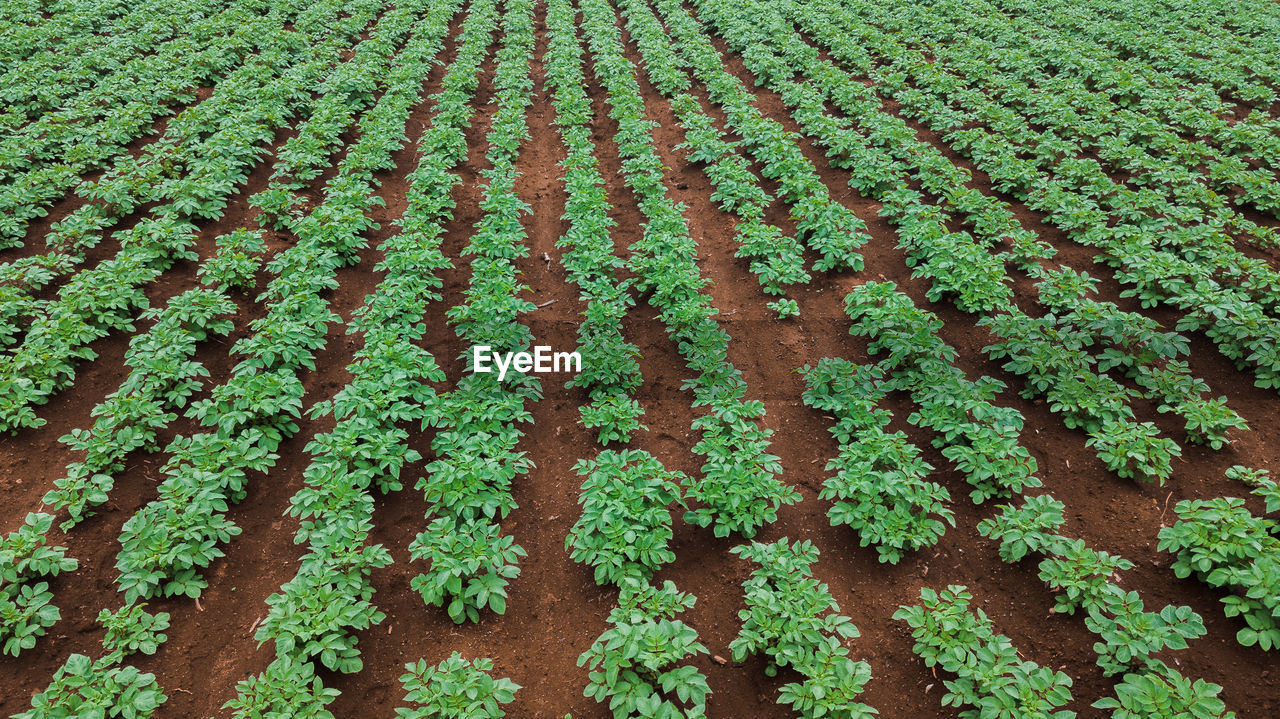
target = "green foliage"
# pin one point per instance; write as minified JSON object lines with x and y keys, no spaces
{"x":791,"y":618}
{"x":287,"y":689}
{"x":1169,"y":234}
{"x":1130,"y":636}
{"x":990,"y":677}
{"x":1053,"y":360}
{"x":785,"y":308}
{"x":316,"y":612}
{"x":880,"y":488}
{"x":91,"y":305}
{"x":634,"y":665}
{"x":162,"y":378}
{"x":738,"y":490}
{"x":1025,"y":529}
{"x":25,"y":614}
{"x":738,"y":486}
{"x":1209,"y":421}
{"x":167,"y":544}
{"x":1135,"y":450}
{"x":626,"y":515}
{"x":826,"y":227}
{"x":1082,"y":574}
{"x":1085,"y":578}
{"x":616,"y":416}
{"x":236,"y":261}
{"x":132,"y":629}
{"x":455,"y":689}
{"x":468,"y":486}
{"x":981,"y":437}
{"x":26,"y":610}
{"x":1160,"y":692}
{"x":1261,"y":482}
{"x":470,"y":565}
{"x":1225,"y":546}
{"x":24,"y":552}
{"x":84,"y":688}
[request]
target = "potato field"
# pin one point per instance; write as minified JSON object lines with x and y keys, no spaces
{"x":742,"y":359}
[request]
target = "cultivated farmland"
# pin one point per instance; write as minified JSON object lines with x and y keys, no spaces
{"x":929,"y":358}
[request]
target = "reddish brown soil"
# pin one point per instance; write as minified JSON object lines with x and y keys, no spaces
{"x":555,"y":609}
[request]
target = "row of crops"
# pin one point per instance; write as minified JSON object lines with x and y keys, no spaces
{"x":1154,"y":146}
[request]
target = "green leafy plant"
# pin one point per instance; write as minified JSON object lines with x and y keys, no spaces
{"x":1025,"y":529}
{"x":455,"y":689}
{"x":132,"y":628}
{"x":634,"y":665}
{"x":83,"y":687}
{"x":981,"y":437}
{"x":1130,"y":636}
{"x":616,"y":416}
{"x":1160,"y":691}
{"x":1135,"y":450}
{"x":1261,"y":482}
{"x":792,"y":619}
{"x":315,"y":614}
{"x":470,"y":567}
{"x":236,"y":262}
{"x":626,"y":515}
{"x":1223,"y":545}
{"x":785,"y":308}
{"x":990,"y":677}
{"x":288,"y":687}
{"x":880,"y":488}
{"x":26,"y":610}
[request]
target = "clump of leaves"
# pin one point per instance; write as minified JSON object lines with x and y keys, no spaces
{"x":1260,"y":480}
{"x":455,"y":689}
{"x":616,"y":416}
{"x":470,"y":566}
{"x":132,"y":629}
{"x":237,"y":259}
{"x":1135,"y":450}
{"x":1161,"y":692}
{"x":793,"y":619}
{"x":1225,"y":545}
{"x":990,"y":674}
{"x":634,"y":665}
{"x":785,"y":308}
{"x":86,"y":688}
{"x":288,"y":687}
{"x":26,"y":610}
{"x":626,"y":517}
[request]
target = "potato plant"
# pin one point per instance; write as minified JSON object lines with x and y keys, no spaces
{"x":455,"y":689}
{"x":625,"y":525}
{"x":634,"y":666}
{"x":791,"y":618}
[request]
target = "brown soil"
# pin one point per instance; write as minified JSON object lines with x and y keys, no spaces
{"x":555,"y":609}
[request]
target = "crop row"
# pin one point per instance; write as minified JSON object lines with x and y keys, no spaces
{"x":961,"y":268}
{"x":314,"y":615}
{"x":738,"y":487}
{"x":189,"y":174}
{"x":468,"y":485}
{"x":166,"y":554}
